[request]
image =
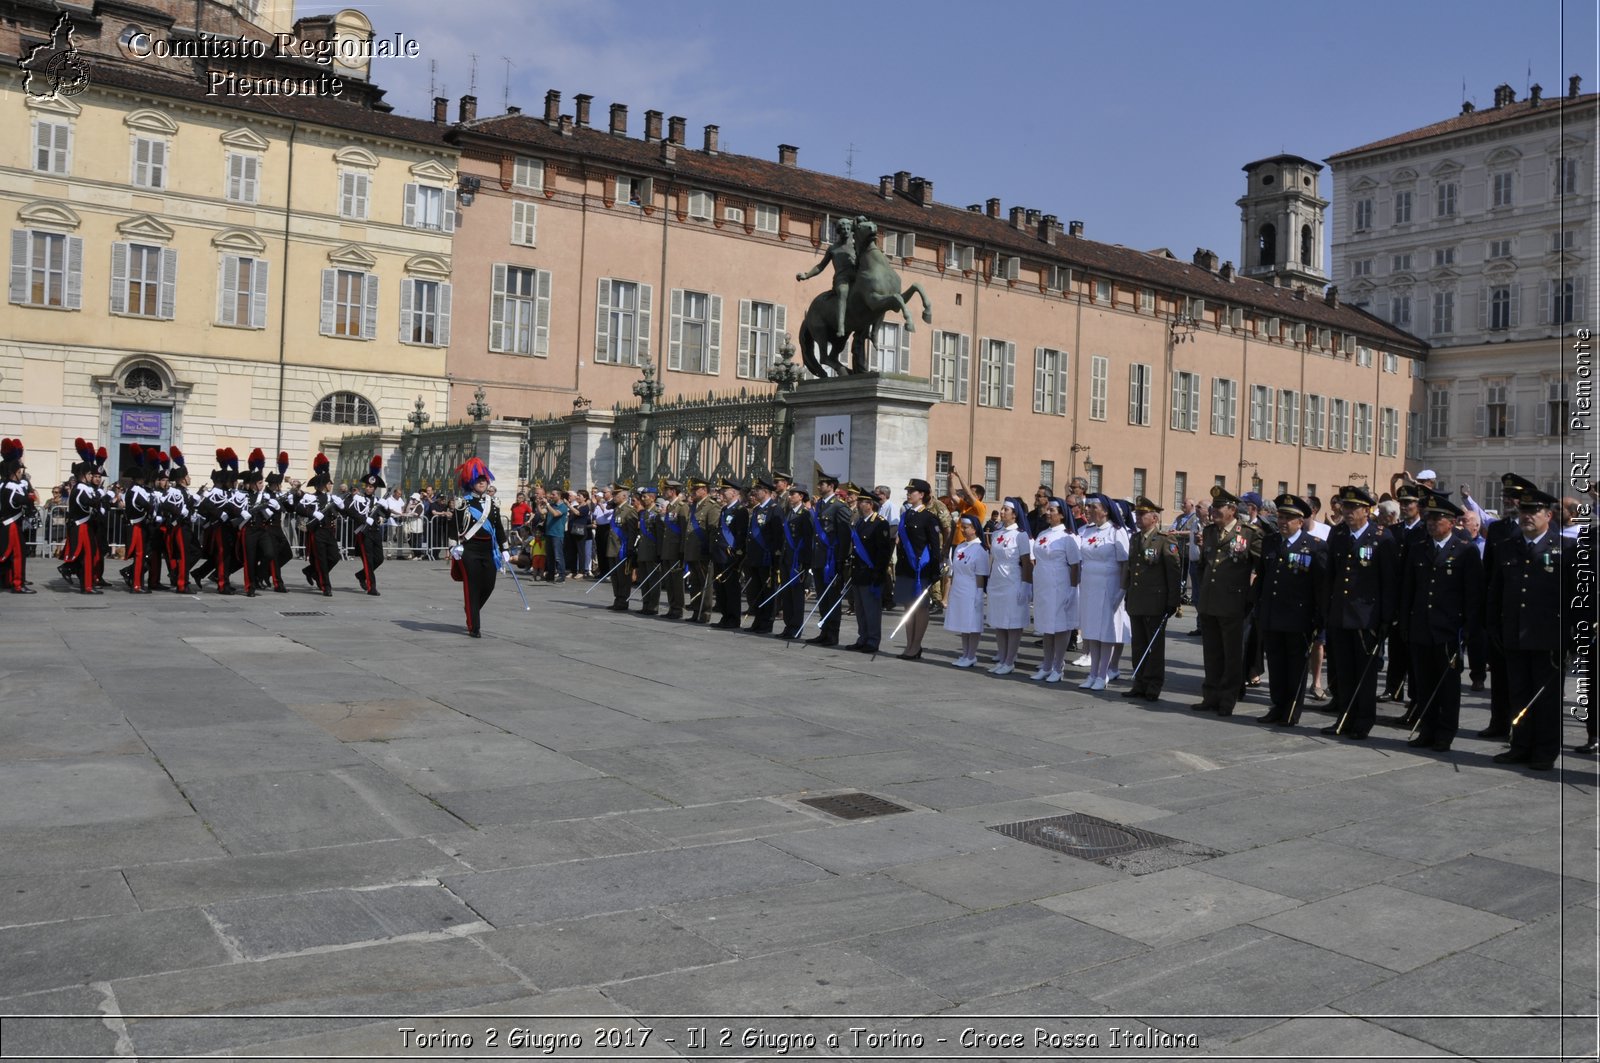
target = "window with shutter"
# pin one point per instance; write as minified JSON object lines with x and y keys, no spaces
{"x":243,"y":177}
{"x":524,"y":223}
{"x":528,"y":174}
{"x":1140,"y":378}
{"x":149,"y":162}
{"x":891,"y":348}
{"x":46,"y":269}
{"x":1099,"y":380}
{"x":767,"y":218}
{"x":353,"y":195}
{"x":369,"y":308}
{"x":52,"y":147}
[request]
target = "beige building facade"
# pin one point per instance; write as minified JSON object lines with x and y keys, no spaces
{"x":211,"y":269}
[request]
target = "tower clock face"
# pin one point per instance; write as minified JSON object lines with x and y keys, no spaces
{"x":350,"y":54}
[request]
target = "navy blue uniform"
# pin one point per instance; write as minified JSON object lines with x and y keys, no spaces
{"x":1534,"y":633}
{"x":1363,"y":594}
{"x":1441,"y":598}
{"x":1289,"y":612}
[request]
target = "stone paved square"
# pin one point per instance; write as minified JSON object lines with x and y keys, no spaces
{"x":574,"y":816}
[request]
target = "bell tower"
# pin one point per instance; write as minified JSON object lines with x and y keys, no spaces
{"x":1283,"y":222}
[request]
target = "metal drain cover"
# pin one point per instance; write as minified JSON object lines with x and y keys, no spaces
{"x":1100,"y":841}
{"x":311,"y":612}
{"x":854,"y":806}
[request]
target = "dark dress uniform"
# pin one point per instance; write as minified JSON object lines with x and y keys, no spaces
{"x":481,"y":550}
{"x":647,"y":557}
{"x":1152,"y":581}
{"x":763,"y":538}
{"x":321,"y":511}
{"x":697,"y":554}
{"x":1534,"y":634}
{"x":1363,"y":594}
{"x":727,"y":542}
{"x":871,"y":550}
{"x":1441,"y":593}
{"x":1498,"y":537}
{"x":674,"y":527}
{"x":796,"y":554}
{"x":1289,"y":610}
{"x":625,"y":541}
{"x":1228,"y":560}
{"x":139,"y":509}
{"x":831,"y":518}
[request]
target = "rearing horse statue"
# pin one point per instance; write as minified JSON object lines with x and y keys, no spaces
{"x":871,"y":292}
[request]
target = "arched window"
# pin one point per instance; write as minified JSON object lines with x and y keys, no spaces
{"x":1305,"y":245}
{"x":143,"y":378}
{"x":1267,"y":245}
{"x":345,"y":407}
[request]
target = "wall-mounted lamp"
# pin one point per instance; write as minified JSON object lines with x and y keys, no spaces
{"x":467,"y":187}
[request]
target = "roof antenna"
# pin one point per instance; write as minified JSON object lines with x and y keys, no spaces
{"x":505,"y":101}
{"x":433,"y":77}
{"x":472,"y":82}
{"x":850,"y":161}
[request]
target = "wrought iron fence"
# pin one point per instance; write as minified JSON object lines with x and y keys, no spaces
{"x":355,"y":451}
{"x":737,"y":435}
{"x":547,"y":452}
{"x":433,"y":455}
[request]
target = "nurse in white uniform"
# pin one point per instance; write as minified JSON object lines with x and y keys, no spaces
{"x":1010,"y":590}
{"x":1103,"y":620}
{"x":1055,"y":588}
{"x":969,"y":571}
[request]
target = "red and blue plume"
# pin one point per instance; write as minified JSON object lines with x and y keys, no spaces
{"x":233,"y":460}
{"x":474,"y":470}
{"x":222,"y":457}
{"x":162,"y":461}
{"x":283,"y":462}
{"x":101,"y":455}
{"x":320,"y":463}
{"x":258,"y":460}
{"x":376,"y":464}
{"x":138,"y":454}
{"x":10,"y":449}
{"x":84,"y":448}
{"x":177,"y":456}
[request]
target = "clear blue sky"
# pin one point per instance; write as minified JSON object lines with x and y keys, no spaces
{"x":1135,"y":117}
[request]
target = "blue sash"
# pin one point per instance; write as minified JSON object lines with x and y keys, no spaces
{"x":494,"y":540}
{"x":860,"y":547}
{"x":794,"y":554}
{"x":827,"y":546}
{"x":727,"y":529}
{"x":917,"y":561}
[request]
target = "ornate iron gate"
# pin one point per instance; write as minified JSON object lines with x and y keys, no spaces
{"x":547,"y":452}
{"x":737,"y":435}
{"x":433,"y":455}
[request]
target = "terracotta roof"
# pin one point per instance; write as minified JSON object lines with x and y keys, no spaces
{"x":1475,"y":120}
{"x":828,"y":193}
{"x":330,"y":111}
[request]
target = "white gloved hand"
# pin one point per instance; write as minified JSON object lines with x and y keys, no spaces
{"x":456,"y":552}
{"x":506,"y":554}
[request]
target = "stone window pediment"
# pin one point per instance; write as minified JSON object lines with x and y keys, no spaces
{"x":151,"y":121}
{"x":56,"y":105}
{"x":242,"y":240}
{"x":1499,"y":270}
{"x":1502,"y":156}
{"x":146,"y":227}
{"x":428,"y":266}
{"x":353,"y":156}
{"x":1365,"y":184}
{"x":1447,"y":168}
{"x":354,"y":256}
{"x":43,"y":214}
{"x":432,"y":171}
{"x":1404,"y":175}
{"x":245,"y":140}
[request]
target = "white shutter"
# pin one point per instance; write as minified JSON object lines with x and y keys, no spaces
{"x":330,"y":289}
{"x":714,"y":337}
{"x":1175,"y":420}
{"x":1133,"y":393}
{"x":675,"y":334}
{"x":1546,"y":302}
{"x":904,"y":363}
{"x":642,"y":347}
{"x":369,"y":308}
{"x":449,"y":218}
{"x":1040,"y":380}
{"x":1541,"y":419}
{"x":407,"y":294}
{"x":409,"y":216}
{"x":258,"y":294}
{"x":908,"y":245}
{"x":19,"y":265}
{"x":252,"y":178}
{"x":647,"y":191}
{"x":119,"y":278}
{"x":169,"y":284}
{"x":235,"y":178}
{"x":227,"y":289}
{"x":441,"y":333}
{"x":1516,"y":305}
{"x":602,"y":322}
{"x":497,"y":307}
{"x":1511,"y":414}
{"x":963,"y":367}
{"x":967,"y":256}
{"x":1483,"y":310}
{"x":74,"y":273}
{"x":541,"y":314}
{"x":1480,"y":422}
{"x":1011,"y":374}
{"x":1233,"y":408}
{"x":745,"y":368}
{"x":1061,"y":383}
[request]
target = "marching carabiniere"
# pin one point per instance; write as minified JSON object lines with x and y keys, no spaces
{"x":480,"y":549}
{"x":1153,"y":580}
{"x":1441,"y":594}
{"x":1363,"y":593}
{"x":276,"y":551}
{"x":14,"y":490}
{"x":1291,"y":605}
{"x":321,"y":511}
{"x":367,"y":517}
{"x":78,"y":558}
{"x":177,"y":512}
{"x":1229,"y":554}
{"x":140,"y":511}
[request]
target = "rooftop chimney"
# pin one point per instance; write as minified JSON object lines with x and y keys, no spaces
{"x":469,"y":108}
{"x":1299,"y":292}
{"x":441,"y":110}
{"x":788,"y":155}
{"x":1535,"y":92}
{"x":1206,"y":260}
{"x":566,"y":125}
{"x":1573,"y":84}
{"x":1467,"y":107}
{"x":512,"y":109}
{"x":582,"y":100}
{"x":552,"y":107}
{"x":1074,"y":228}
{"x":1504,"y":95}
{"x":675,"y":129}
{"x":711,"y":139}
{"x":669,"y":153}
{"x":974,"y":208}
{"x":619,"y":119}
{"x":1019,"y":217}
{"x":1032,"y":217}
{"x":922,"y":191}
{"x":652,"y":126}
{"x":902,"y":181}
{"x":1331,"y":296}
{"x":991,"y":207}
{"x":886,"y":186}
{"x":1049,"y":229}
{"x":1226,"y":273}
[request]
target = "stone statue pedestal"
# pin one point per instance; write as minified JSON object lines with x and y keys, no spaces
{"x":883,"y":419}
{"x":592,"y":456}
{"x":500,"y":446}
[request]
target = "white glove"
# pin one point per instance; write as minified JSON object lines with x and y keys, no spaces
{"x":507,"y":555}
{"x":456,"y":552}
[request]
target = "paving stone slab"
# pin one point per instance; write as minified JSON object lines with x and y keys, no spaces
{"x":568,"y":724}
{"x":45,"y":1038}
{"x":1106,"y":804}
{"x":508,"y":845}
{"x":304,"y":810}
{"x":595,"y":796}
{"x":787,"y":738}
{"x":1008,"y":948}
{"x":41,"y":850}
{"x":1479,"y":1007}
{"x":821,"y":980}
{"x":603,"y":949}
{"x":1248,"y":822}
{"x":260,"y":927}
{"x":724,"y":821}
{"x":1308,"y":868}
{"x":1170,"y":906}
{"x":71,"y":791}
{"x":1390,"y":927}
{"x":1431,"y":839}
{"x":147,"y":697}
{"x":402,"y":978}
{"x":625,"y":883}
{"x":1048,"y":780}
{"x":813,"y":913}
{"x":945,"y":794}
{"x":684,"y":773}
{"x":482,"y":761}
{"x":258,"y":746}
{"x":1243,"y":972}
{"x":193,"y":882}
{"x":1002,"y":877}
{"x":1512,"y":890}
{"x":1326,"y":1036}
{"x":57,"y":955}
{"x":366,"y":721}
{"x":902,"y":838}
{"x":1560,"y":946}
{"x":54,"y":896}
